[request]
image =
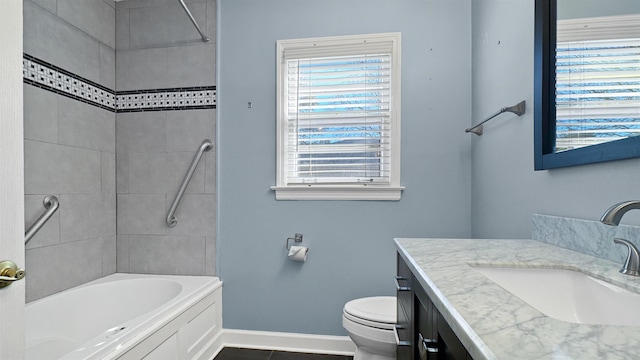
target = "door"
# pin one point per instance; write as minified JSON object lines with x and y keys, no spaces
{"x":11,"y":178}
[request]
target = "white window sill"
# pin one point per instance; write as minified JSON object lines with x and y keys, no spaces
{"x":338,"y":192}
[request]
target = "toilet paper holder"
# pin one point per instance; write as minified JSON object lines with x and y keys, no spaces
{"x":297,"y":238}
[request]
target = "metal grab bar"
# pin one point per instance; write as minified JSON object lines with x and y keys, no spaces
{"x":50,"y":203}
{"x":205,"y":38}
{"x":205,"y":146}
{"x":517,"y":109}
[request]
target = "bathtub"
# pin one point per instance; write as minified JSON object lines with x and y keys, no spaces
{"x":127,"y":316}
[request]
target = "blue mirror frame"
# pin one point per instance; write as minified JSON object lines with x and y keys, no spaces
{"x":545,"y":156}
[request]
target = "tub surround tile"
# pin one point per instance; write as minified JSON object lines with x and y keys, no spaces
{"x":494,"y":324}
{"x":141,"y":69}
{"x":187,"y":129}
{"x":111,"y":3}
{"x":141,"y":132}
{"x":55,"y":268}
{"x":108,"y":173}
{"x":162,"y":172}
{"x":210,"y":172}
{"x":122,"y":253}
{"x":141,"y":214}
{"x":109,"y":255}
{"x":176,"y":166}
{"x":85,"y":255}
{"x":122,"y":172}
{"x":211,"y":21}
{"x":186,"y":68}
{"x":40,"y":115}
{"x":107,"y":66}
{"x":51,"y":168}
{"x":147,"y":173}
{"x":210,"y":256}
{"x":79,"y":52}
{"x":49,"y":5}
{"x":196,"y":215}
{"x":94,"y":17}
{"x":148,"y":25}
{"x":177,"y":255}
{"x":87,"y":216}
{"x":85,"y":126}
{"x":122,"y":29}
{"x":39,"y":263}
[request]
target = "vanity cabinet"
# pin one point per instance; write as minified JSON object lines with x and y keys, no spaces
{"x":422,"y":332}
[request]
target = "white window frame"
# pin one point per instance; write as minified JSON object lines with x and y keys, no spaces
{"x":336,"y":46}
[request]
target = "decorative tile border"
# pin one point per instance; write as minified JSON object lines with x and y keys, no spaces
{"x":203,"y":97}
{"x":52,"y":78}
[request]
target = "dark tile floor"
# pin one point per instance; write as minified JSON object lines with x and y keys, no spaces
{"x":249,"y":354}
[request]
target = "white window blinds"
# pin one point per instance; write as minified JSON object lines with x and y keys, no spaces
{"x":597,"y":81}
{"x":338,"y":119}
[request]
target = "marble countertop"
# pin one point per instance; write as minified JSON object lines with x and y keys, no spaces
{"x":491,"y":322}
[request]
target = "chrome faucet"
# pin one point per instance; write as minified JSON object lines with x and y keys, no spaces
{"x":612,"y":217}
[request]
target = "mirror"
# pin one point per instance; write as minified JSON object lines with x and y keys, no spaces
{"x":586,"y":96}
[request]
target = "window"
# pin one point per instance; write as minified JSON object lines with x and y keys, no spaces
{"x":339,"y":118}
{"x":597,"y":80}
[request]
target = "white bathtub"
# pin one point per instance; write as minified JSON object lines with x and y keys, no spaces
{"x":126,"y":316}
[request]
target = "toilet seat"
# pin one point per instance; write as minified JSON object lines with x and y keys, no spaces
{"x":376,"y":312}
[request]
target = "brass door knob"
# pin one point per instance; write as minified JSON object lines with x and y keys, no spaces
{"x":9,"y":272}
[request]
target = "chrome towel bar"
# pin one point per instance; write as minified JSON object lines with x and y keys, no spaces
{"x":50,"y":203}
{"x":517,"y":109}
{"x":205,"y":38}
{"x":205,"y":146}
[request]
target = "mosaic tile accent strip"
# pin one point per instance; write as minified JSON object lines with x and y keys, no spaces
{"x":52,"y":78}
{"x":203,"y":97}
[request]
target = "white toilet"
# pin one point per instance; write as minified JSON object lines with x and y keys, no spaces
{"x":370,"y":324}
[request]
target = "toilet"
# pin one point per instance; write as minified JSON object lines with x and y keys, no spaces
{"x":370,"y":324}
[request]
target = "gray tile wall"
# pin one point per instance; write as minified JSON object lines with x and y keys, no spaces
{"x":158,"y":47}
{"x":70,"y":147}
{"x":115,"y":176}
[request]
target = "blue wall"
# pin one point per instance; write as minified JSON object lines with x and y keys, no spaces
{"x":351,"y":254}
{"x":506,"y":190}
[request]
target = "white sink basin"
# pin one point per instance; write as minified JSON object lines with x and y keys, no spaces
{"x":568,"y":295}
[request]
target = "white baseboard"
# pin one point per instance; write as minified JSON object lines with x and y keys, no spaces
{"x":268,"y":340}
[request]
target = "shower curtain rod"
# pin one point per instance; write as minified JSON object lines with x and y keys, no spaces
{"x":205,"y":38}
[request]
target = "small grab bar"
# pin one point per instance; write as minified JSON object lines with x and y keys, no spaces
{"x":205,"y":146}
{"x":204,"y":37}
{"x":50,"y":203}
{"x":517,"y":109}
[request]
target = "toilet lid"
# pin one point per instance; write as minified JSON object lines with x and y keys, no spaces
{"x":378,"y":309}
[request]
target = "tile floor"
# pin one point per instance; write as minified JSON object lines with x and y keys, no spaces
{"x":249,"y":354}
